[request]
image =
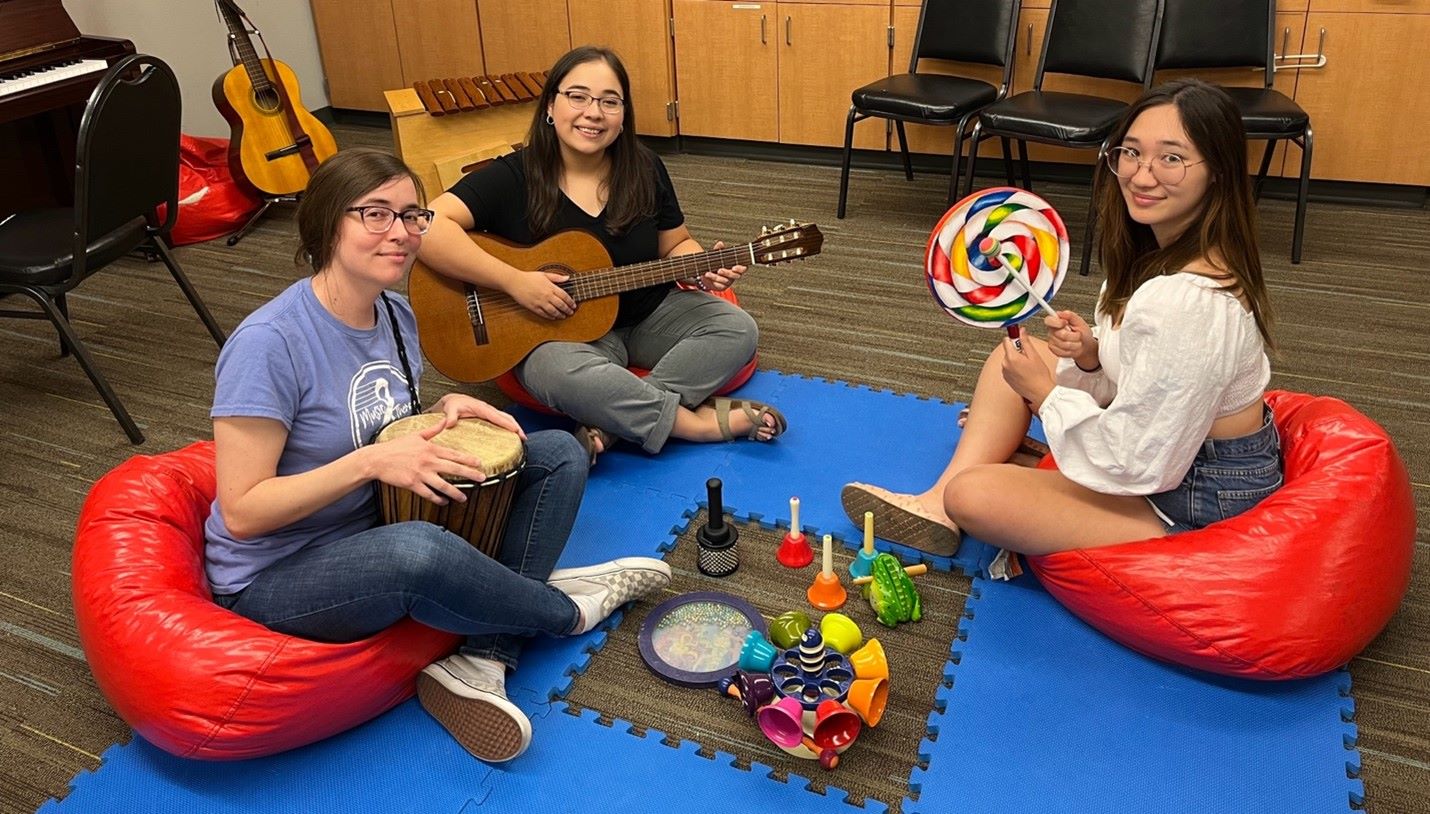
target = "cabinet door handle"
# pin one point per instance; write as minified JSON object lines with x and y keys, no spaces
{"x":788,"y":39}
{"x":1030,"y":39}
{"x":762,"y":30}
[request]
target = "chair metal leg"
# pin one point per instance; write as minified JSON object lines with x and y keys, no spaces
{"x":957,"y":160}
{"x":1265,"y":168}
{"x":1023,"y":164}
{"x":904,"y":150}
{"x":973,"y":143}
{"x":63,"y":307}
{"x":1008,"y":160}
{"x":1089,"y":231}
{"x":81,"y":355}
{"x":1301,"y":195}
{"x":189,"y":291}
{"x":844,"y":166}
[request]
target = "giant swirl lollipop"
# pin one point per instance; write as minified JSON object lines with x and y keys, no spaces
{"x":995,"y":257}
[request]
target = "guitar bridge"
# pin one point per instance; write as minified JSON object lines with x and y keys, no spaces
{"x":475,"y":317}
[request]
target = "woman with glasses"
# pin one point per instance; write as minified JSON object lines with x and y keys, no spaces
{"x":293,"y":541}
{"x":1154,"y":414}
{"x":584,"y":168}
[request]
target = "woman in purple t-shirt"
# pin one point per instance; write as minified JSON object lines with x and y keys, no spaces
{"x":293,"y":541}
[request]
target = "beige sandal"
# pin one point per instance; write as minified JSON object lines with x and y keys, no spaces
{"x":753,"y":410}
{"x":900,"y":519}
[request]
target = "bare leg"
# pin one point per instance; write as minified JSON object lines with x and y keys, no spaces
{"x":1035,"y":511}
{"x":997,"y":422}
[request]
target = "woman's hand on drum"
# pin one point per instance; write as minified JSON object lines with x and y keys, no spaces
{"x":414,"y":463}
{"x":456,"y":406}
{"x":720,"y":279}
{"x":540,"y":293}
{"x":1069,"y":337}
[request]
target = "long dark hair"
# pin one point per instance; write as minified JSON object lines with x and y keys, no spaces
{"x":336,"y":185}
{"x":630,"y":186}
{"x":1223,"y":232}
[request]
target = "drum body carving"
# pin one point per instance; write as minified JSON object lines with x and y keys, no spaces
{"x":480,"y":521}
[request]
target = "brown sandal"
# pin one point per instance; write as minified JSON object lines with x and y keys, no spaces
{"x":753,"y":410}
{"x":587,"y":437}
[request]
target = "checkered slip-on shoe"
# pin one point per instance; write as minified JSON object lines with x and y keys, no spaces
{"x":599,"y":589}
{"x":474,"y":708}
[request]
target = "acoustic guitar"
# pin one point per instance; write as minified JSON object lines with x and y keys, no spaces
{"x":274,"y":144}
{"x":472,"y":334}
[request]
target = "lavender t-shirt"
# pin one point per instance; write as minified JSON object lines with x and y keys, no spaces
{"x":333,"y":387}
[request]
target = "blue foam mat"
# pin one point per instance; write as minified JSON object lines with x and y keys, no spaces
{"x":1044,"y":714}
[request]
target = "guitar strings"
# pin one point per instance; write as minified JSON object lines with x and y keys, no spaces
{"x":613,"y":280}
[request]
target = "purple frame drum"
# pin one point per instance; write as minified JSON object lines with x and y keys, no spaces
{"x":694,"y":639}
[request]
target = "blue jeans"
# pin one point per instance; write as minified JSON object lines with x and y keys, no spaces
{"x":354,"y":587}
{"x":1228,"y":476}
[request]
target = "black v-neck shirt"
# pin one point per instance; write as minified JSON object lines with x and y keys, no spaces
{"x":496,"y":196}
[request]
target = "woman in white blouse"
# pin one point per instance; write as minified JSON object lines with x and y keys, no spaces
{"x":1155,"y":415}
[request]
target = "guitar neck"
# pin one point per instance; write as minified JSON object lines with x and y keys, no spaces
{"x":605,"y":282}
{"x":238,"y":34}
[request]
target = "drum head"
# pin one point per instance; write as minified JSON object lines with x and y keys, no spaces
{"x":500,"y":450}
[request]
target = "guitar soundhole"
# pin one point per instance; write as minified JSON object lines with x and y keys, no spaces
{"x":266,"y":100}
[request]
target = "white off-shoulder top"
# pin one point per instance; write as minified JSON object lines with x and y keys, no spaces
{"x":1185,"y":354}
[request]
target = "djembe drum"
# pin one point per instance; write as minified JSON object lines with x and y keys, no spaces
{"x":481,"y":520}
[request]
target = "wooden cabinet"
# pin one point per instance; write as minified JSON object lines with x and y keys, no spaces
{"x":639,"y":31}
{"x":1369,"y":103}
{"x":523,"y":35}
{"x":777,"y":71}
{"x":826,"y":51}
{"x":437,"y":39}
{"x":359,"y":51}
{"x":727,"y":70}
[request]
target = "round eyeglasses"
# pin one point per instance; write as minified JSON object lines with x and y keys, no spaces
{"x":1167,"y":168}
{"x":378,"y":219}
{"x":579,"y":100}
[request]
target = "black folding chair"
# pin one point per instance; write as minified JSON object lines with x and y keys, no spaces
{"x":979,"y":32}
{"x":1239,"y":34}
{"x":1109,"y":39}
{"x":127,"y":164}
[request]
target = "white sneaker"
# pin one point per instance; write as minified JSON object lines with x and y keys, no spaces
{"x":598,"y":590}
{"x":467,"y":695}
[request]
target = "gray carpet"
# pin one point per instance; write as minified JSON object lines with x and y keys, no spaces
{"x":1352,"y":323}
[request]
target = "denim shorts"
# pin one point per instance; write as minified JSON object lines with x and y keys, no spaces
{"x":1228,"y":476}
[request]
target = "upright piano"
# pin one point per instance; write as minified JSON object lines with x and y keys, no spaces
{"x":47,"y":71}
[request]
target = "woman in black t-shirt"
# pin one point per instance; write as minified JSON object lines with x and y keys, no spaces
{"x":583,"y":168}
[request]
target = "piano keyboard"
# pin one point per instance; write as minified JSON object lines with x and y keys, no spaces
{"x":11,"y":84}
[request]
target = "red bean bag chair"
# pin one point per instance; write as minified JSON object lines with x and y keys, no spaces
{"x":511,"y":386}
{"x":211,"y":203}
{"x":1293,"y":588}
{"x":190,"y":677}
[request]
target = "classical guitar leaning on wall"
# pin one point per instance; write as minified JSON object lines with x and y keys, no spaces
{"x":275,"y":144}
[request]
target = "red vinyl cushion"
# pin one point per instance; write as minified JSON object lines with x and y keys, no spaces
{"x":190,"y":677}
{"x":1293,"y":588}
{"x":511,"y":387}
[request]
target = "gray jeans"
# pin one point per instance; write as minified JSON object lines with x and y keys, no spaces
{"x":692,"y":343}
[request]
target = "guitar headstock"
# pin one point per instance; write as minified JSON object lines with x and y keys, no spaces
{"x":788,"y":241}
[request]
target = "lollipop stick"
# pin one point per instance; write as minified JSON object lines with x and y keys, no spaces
{"x":1023,"y":281}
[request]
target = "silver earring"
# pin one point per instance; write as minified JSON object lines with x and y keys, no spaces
{"x":550,"y":120}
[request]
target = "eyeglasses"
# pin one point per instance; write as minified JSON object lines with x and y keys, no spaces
{"x":1168,"y":168}
{"x":579,"y":100}
{"x":378,"y":219}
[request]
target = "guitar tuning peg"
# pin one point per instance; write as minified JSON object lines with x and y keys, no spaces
{"x":792,"y":222}
{"x":764,"y":230}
